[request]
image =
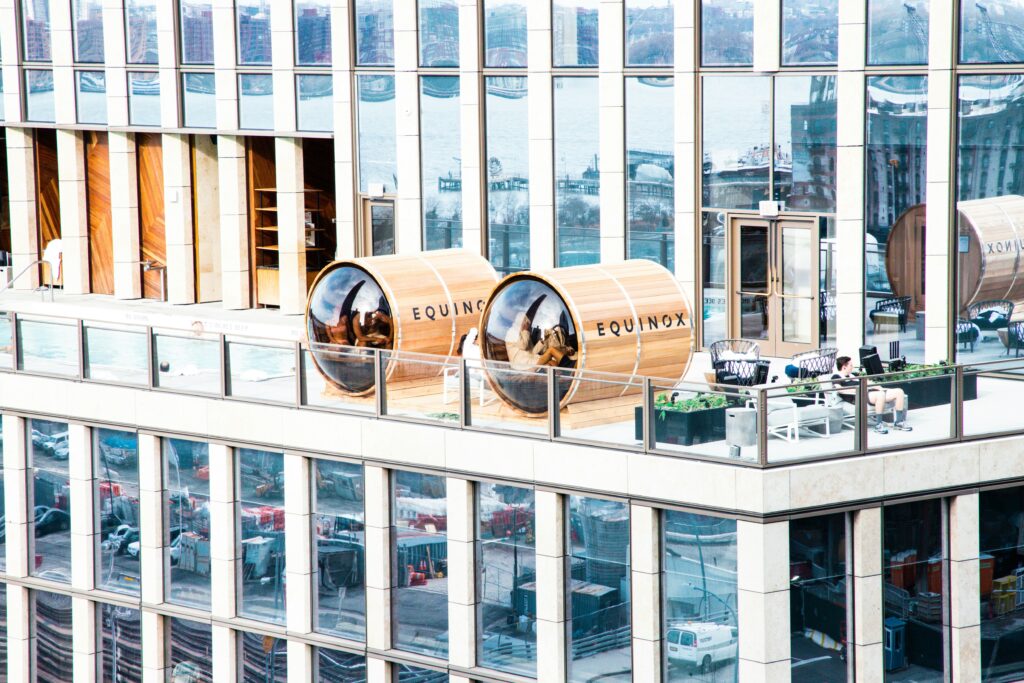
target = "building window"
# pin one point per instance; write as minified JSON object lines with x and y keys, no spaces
{"x":600,"y":624}
{"x":187,"y":502}
{"x":898,"y":31}
{"x":52,"y":626}
{"x":439,"y":32}
{"x":419,"y":546}
{"x":3,"y":537}
{"x":256,"y":101}
{"x":577,"y":173}
{"x":1001,"y":536}
{"x":121,"y":640}
{"x":50,"y":500}
{"x":895,"y":157}
{"x":39,"y":95}
{"x":3,"y":622}
{"x":508,"y":172}
{"x":313,"y":32}
{"x":736,"y":141}
{"x":376,"y":125}
{"x":91,"y":96}
{"x":650,"y":166}
{"x":196,"y":18}
{"x":199,"y":100}
{"x":700,"y":597}
{"x":805,"y":141}
{"x":415,"y":674}
{"x":140,"y":31}
{"x":817,"y":595}
{"x":810,"y":32}
{"x":505,"y":33}
{"x":649,"y":32}
{"x":116,"y":456}
{"x":316,"y":102}
{"x":264,"y":658}
{"x":190,"y":649}
{"x":440,"y":159}
{"x":713,"y":292}
{"x":336,"y":666}
{"x":2,"y":115}
{"x":144,"y":98}
{"x":254,"y":45}
{"x":912,"y":631}
{"x":340,"y":577}
{"x":35,"y":30}
{"x":506,"y":579}
{"x":261,"y":593}
{"x":989,"y":32}
{"x":727,"y":32}
{"x":87,"y":22}
{"x":574,"y":32}
{"x":375,"y":33}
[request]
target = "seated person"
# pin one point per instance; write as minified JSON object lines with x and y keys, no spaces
{"x":517,"y":344}
{"x":469,"y":346}
{"x":877,"y":396}
{"x":553,"y":348}
{"x":375,"y":332}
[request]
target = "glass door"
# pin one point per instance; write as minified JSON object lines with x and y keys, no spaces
{"x":775,"y":284}
{"x":378,"y":227}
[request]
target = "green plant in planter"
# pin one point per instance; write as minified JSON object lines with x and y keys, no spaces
{"x":803,"y":385}
{"x":664,"y":403}
{"x":917,"y":370}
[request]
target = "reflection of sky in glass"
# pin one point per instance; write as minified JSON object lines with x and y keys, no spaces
{"x":898,"y":31}
{"x":200,"y":100}
{"x":574,"y":32}
{"x":144,"y":99}
{"x":376,"y":121}
{"x":727,"y":32}
{"x":505,"y":33}
{"x":315,"y":106}
{"x":650,"y":136}
{"x":140,"y":31}
{"x":577,"y":183}
{"x":91,"y":96}
{"x":993,"y":35}
{"x":440,"y":157}
{"x":810,"y":31}
{"x":649,"y":39}
{"x":87,"y":18}
{"x":508,"y":196}
{"x":256,"y":101}
{"x":736,"y":131}
{"x":439,"y":32}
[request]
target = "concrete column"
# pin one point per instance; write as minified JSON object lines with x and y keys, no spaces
{"x":552,"y":605}
{"x":154,"y":554}
{"x":965,"y":588}
{"x":155,"y":662}
{"x":225,"y":79}
{"x":866,"y":643}
{"x":763,"y":600}
{"x":345,"y":182}
{"x":62,"y":54}
{"x":19,"y":630}
{"x":687,"y":185}
{"x":74,"y":212}
{"x":225,"y":653}
{"x":85,"y":644}
{"x":178,"y":220}
{"x":612,"y":130}
{"x":301,"y":662}
{"x":850,"y":176}
{"x":474,"y":206}
{"x":15,"y":454}
{"x":299,"y":570}
{"x":124,"y":209}
{"x":291,"y":222}
{"x":115,"y":59}
{"x":85,"y":536}
{"x":408,"y":209}
{"x":462,"y":600}
{"x":767,"y":35}
{"x":377,"y":498}
{"x":379,"y":671}
{"x":224,"y":546}
{"x":940,"y":191}
{"x":9,"y":53}
{"x":282,"y":40}
{"x":234,"y":220}
{"x":645,"y":578}
{"x":541,"y":132}
{"x":167,"y":51}
{"x":21,"y":184}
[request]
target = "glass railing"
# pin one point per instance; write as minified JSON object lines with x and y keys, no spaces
{"x":763,"y":426}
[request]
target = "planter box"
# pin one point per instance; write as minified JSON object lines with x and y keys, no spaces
{"x":937,"y":390}
{"x":684,"y":429}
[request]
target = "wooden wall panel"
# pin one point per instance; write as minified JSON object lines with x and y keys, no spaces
{"x":97,"y":196}
{"x":150,"y":161}
{"x":47,"y":189}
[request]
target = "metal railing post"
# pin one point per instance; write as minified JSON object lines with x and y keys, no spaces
{"x":762,"y":427}
{"x":299,"y":375}
{"x":225,"y":370}
{"x":553,"y":426}
{"x":958,"y":402}
{"x":151,"y":367}
{"x":465,"y":395}
{"x":380,"y":380}
{"x":80,"y":332}
{"x":647,"y":438}
{"x":860,"y":427}
{"x":15,"y":341}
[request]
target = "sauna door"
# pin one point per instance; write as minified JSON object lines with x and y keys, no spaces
{"x":378,"y":238}
{"x":774,"y":284}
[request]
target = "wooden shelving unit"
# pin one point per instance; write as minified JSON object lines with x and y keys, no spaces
{"x":265,"y":241}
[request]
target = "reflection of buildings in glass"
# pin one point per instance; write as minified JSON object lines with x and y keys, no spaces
{"x":505,"y":35}
{"x":575,"y":34}
{"x":53,"y":635}
{"x":813,"y":166}
{"x":141,"y":33}
{"x":197,"y":33}
{"x":122,"y":643}
{"x":727,"y":32}
{"x":374,"y":27}
{"x":439,"y":34}
{"x":254,"y":34}
{"x":649,"y":38}
{"x":991,"y":136}
{"x":37,"y":30}
{"x":89,"y":32}
{"x":810,"y":31}
{"x":313,"y":25}
{"x":742,"y":184}
{"x":898,"y":32}
{"x":993,"y":31}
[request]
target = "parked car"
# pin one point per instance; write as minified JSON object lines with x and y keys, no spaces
{"x":135,"y":547}
{"x":52,"y":521}
{"x":701,"y":646}
{"x":121,"y":537}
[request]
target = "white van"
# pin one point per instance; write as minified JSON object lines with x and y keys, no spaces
{"x":696,"y":645}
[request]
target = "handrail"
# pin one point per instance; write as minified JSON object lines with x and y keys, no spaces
{"x":24,"y":270}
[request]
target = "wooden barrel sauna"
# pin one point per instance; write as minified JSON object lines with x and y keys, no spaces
{"x":417,"y":303}
{"x":991,"y":267}
{"x":905,"y":258}
{"x":630,"y":318}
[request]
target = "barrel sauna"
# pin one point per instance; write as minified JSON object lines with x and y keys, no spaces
{"x":629,"y":318}
{"x":905,"y":258}
{"x":417,"y":303}
{"x":991,"y":266}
